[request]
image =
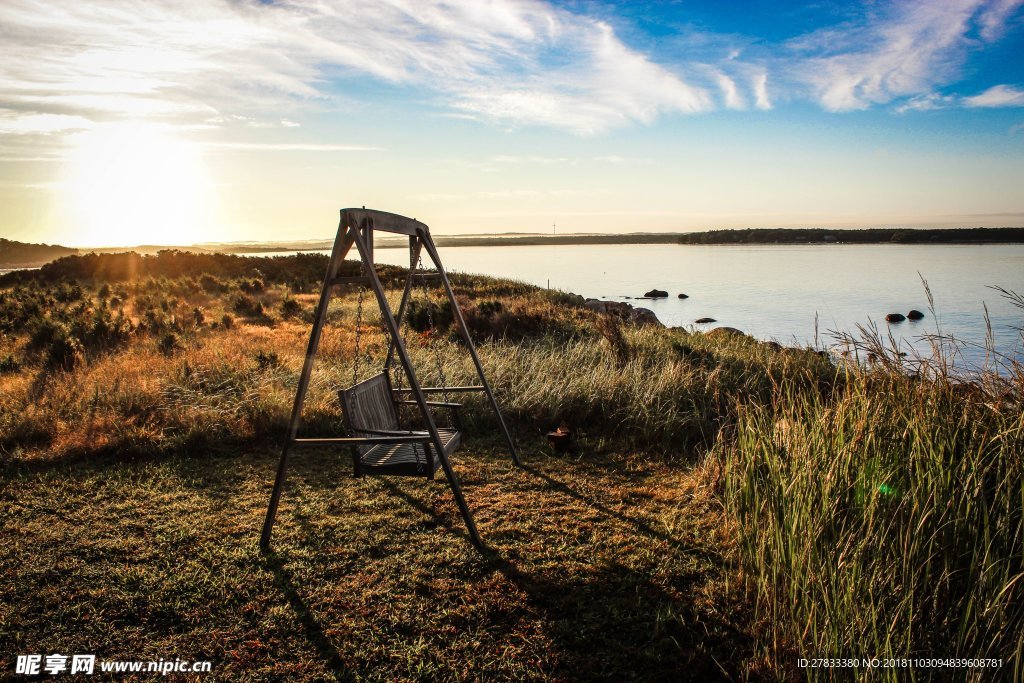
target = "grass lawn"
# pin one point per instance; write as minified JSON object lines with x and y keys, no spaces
{"x":597,"y":567}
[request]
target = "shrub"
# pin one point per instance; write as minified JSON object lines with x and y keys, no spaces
{"x":267,"y":359}
{"x":290,"y":308}
{"x":63,"y":351}
{"x":211,"y":284}
{"x":252,"y":286}
{"x":9,"y":365}
{"x":489,"y":308}
{"x":248,"y":306}
{"x":67,"y":292}
{"x":227,"y":321}
{"x":103,"y":330}
{"x":419,"y":314}
{"x":169,"y":344}
{"x":154,"y":321}
{"x":44,"y":333}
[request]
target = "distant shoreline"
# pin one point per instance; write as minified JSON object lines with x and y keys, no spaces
{"x":710,"y":237}
{"x":18,"y":255}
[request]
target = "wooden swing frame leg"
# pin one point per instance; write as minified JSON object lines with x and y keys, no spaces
{"x":420,"y":397}
{"x":342,"y":243}
{"x":428,"y":244}
{"x":414,"y":253}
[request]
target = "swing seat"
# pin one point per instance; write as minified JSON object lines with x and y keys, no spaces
{"x":369,"y":410}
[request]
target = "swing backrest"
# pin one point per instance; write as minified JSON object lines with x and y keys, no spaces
{"x":369,"y":405}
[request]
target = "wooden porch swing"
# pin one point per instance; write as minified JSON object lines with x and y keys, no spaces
{"x":370,"y":408}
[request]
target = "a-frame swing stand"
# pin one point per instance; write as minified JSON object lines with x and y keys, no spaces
{"x":357,"y":228}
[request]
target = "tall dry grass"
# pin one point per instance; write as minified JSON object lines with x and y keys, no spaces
{"x":193,"y":369}
{"x":885,"y":518}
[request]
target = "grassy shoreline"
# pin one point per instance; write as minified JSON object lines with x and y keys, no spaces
{"x":731,"y":505}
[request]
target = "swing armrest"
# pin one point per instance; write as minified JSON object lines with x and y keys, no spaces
{"x":433,"y":404}
{"x":407,"y":437}
{"x":391,"y":432}
{"x":439,"y":390}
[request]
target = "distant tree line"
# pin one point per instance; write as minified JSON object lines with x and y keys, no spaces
{"x":301,"y":271}
{"x":867,"y":236}
{"x":20,"y":254}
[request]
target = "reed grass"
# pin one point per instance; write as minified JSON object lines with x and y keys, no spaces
{"x":883,"y":519}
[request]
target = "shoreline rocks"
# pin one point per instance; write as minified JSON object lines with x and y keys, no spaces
{"x":725,"y":332}
{"x":684,"y":296}
{"x":915,"y":315}
{"x":625,"y":312}
{"x":656,"y":294}
{"x":895,"y":318}
{"x":704,"y":321}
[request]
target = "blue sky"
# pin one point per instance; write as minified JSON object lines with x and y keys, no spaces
{"x":177,"y":122}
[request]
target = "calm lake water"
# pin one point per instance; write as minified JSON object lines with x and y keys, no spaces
{"x":775,"y":292}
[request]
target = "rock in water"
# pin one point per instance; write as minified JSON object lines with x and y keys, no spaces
{"x":915,"y":315}
{"x":701,"y":321}
{"x":895,"y":318}
{"x":656,"y":294}
{"x":684,"y":296}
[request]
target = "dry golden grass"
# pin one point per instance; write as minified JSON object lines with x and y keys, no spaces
{"x":731,"y":505}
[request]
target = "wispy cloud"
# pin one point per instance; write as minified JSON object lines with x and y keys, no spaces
{"x":508,"y":60}
{"x":532,"y":159}
{"x":997,"y":96}
{"x":759,"y":84}
{"x":290,"y":147}
{"x":926,"y":102}
{"x":731,"y":94}
{"x":234,"y":63}
{"x":21,"y":124}
{"x":904,"y":51}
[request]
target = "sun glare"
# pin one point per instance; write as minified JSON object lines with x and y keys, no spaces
{"x":131,"y":184}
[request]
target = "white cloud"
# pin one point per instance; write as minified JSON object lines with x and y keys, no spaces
{"x":532,"y":159}
{"x":905,"y":52}
{"x":997,"y":96}
{"x":598,"y":85}
{"x":993,"y":18}
{"x":514,"y":61}
{"x":235,"y":63}
{"x":42,"y":123}
{"x":926,"y":102}
{"x":291,"y":147}
{"x":504,"y":194}
{"x":759,"y":84}
{"x":733,"y":99}
{"x":617,"y":159}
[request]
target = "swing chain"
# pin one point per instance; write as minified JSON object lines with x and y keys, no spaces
{"x":359,"y":326}
{"x":433,"y":342}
